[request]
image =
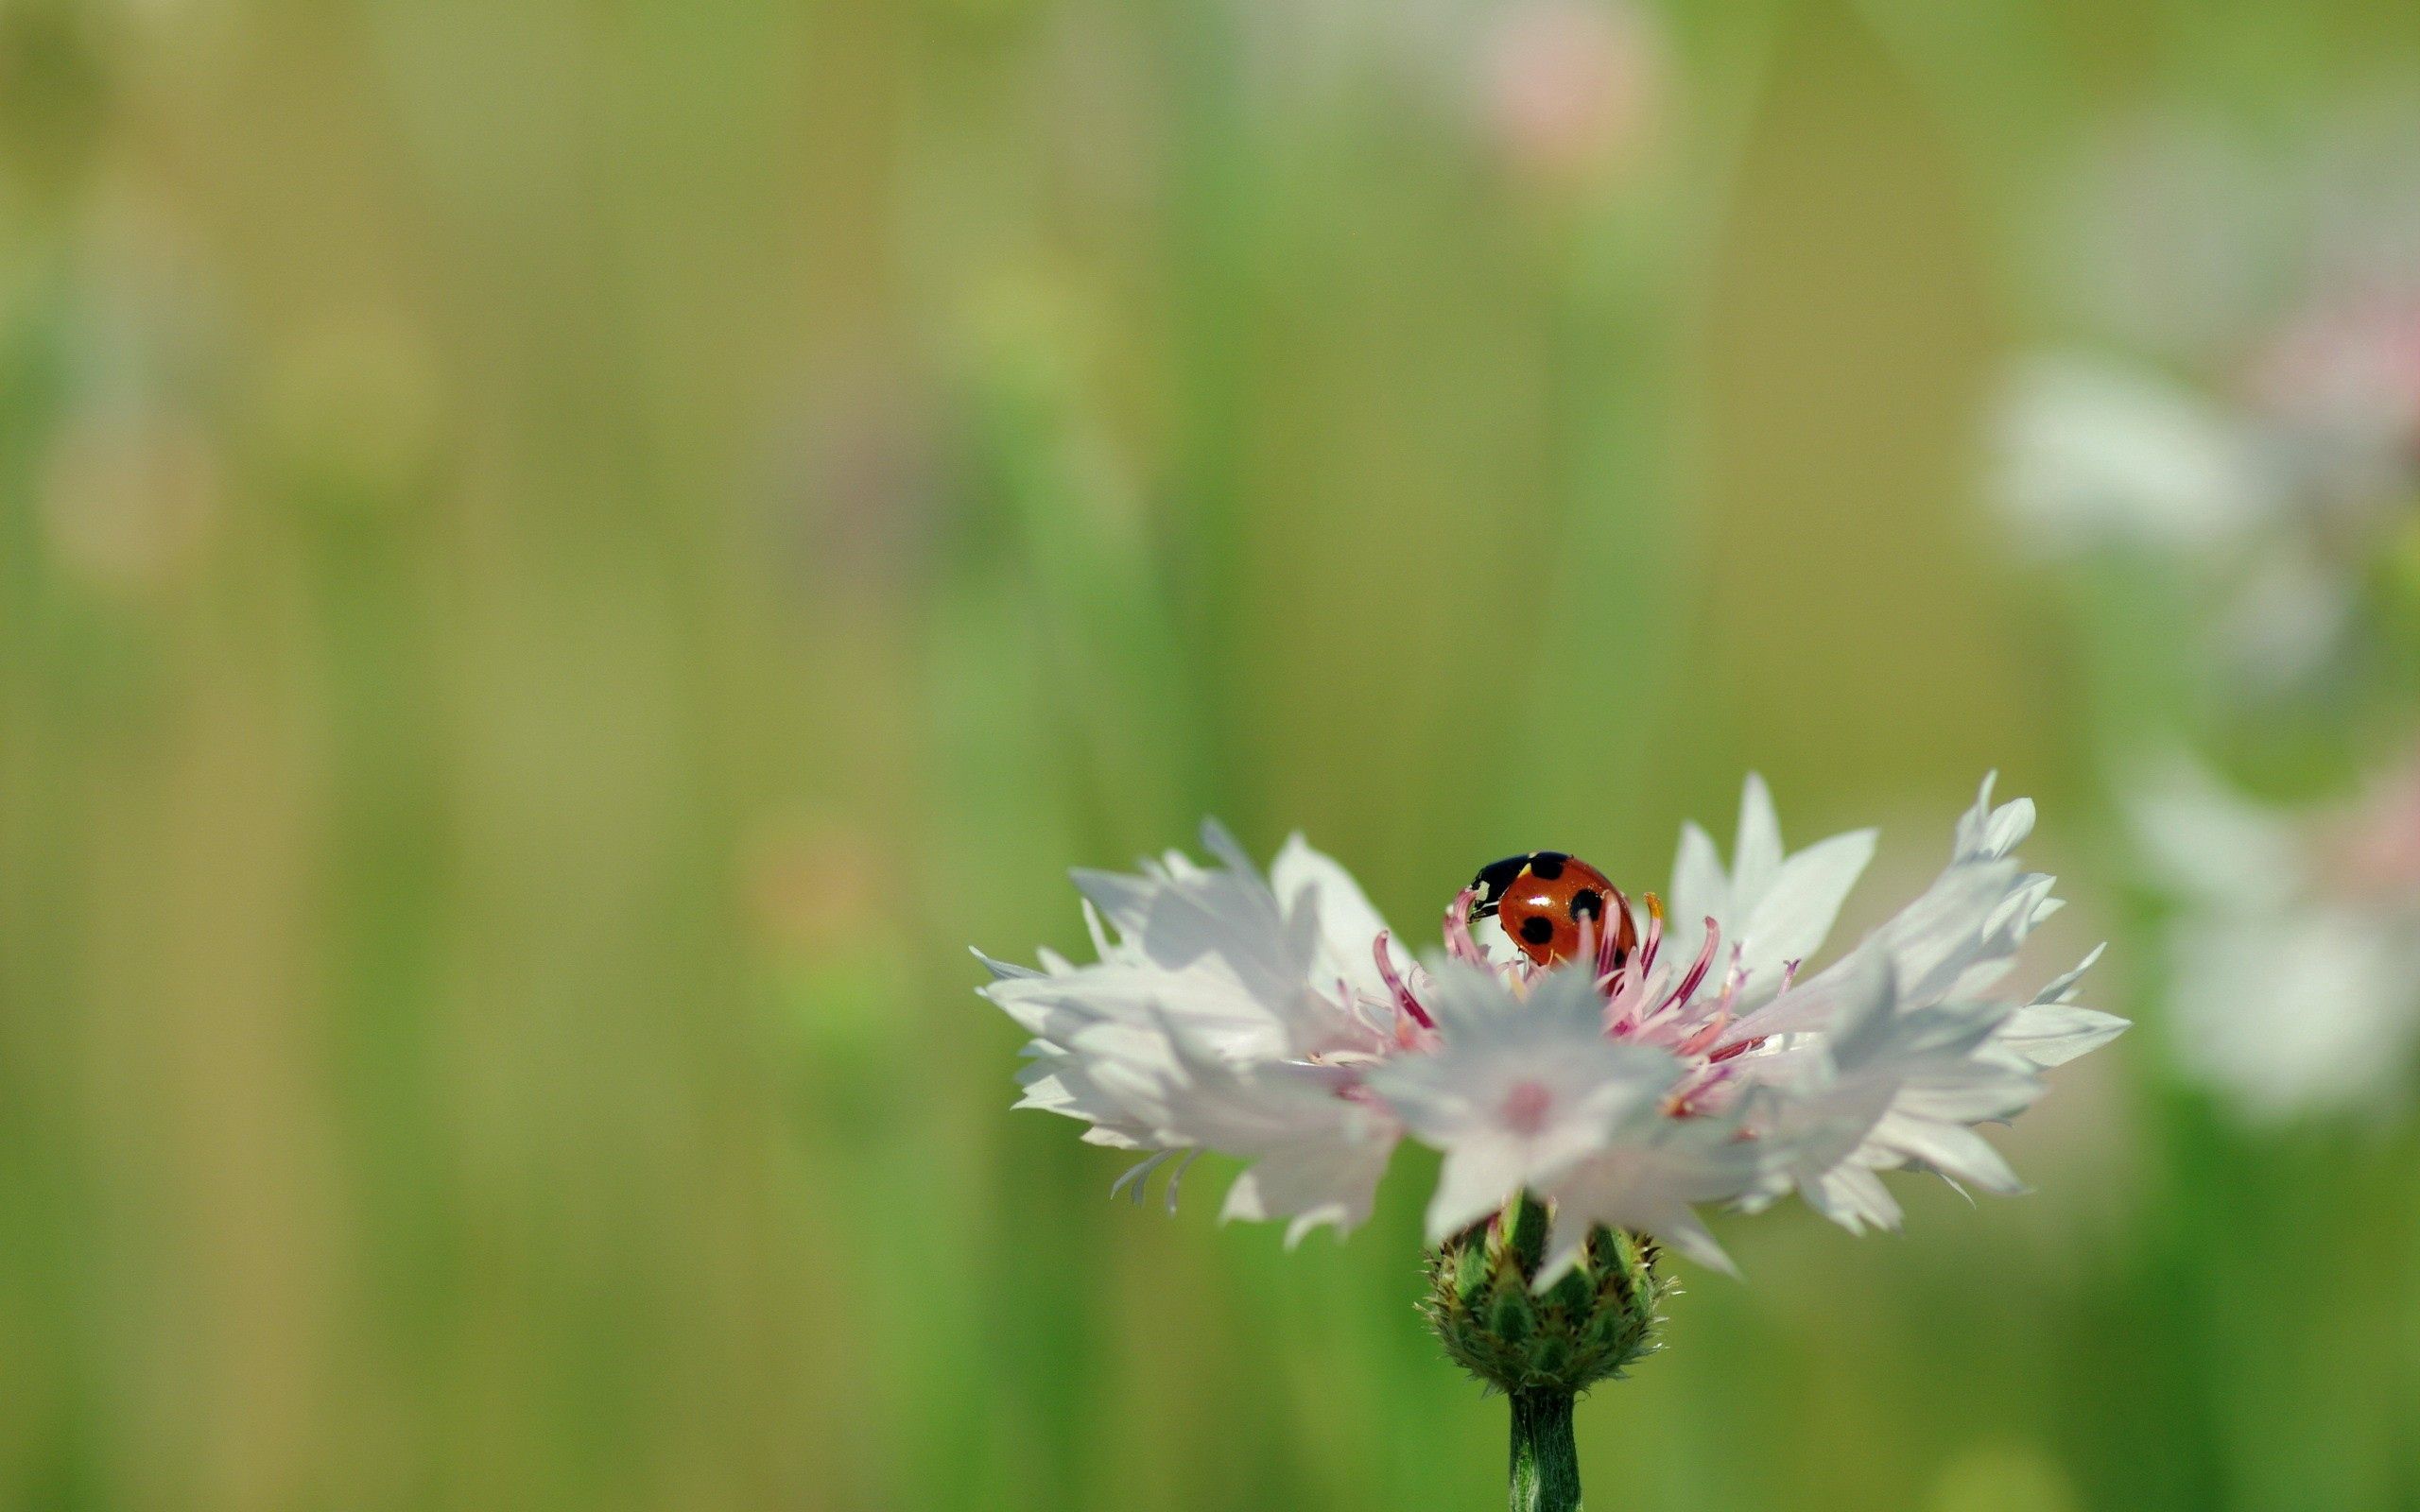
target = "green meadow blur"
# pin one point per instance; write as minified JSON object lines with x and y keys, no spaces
{"x":560,"y":561}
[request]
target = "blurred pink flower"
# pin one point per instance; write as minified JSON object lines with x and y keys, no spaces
{"x":2375,"y":848}
{"x":2340,"y":380}
{"x":1571,"y":88}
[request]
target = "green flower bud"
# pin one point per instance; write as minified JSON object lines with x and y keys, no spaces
{"x":1588,"y":1325}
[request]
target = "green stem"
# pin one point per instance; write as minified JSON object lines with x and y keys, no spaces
{"x":1545,"y":1461}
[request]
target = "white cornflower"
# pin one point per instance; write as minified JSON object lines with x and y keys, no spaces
{"x":1621,"y":1077}
{"x":2293,"y":984}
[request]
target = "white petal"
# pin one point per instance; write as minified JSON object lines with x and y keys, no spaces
{"x":1756,"y":855}
{"x":1774,"y":907}
{"x":1648,"y":1183}
{"x":1700,"y":887}
{"x":2043,"y":1034}
{"x":1139,"y":1176}
{"x":1857,"y":984}
{"x":1791,"y":921}
{"x":2061,"y":988}
{"x":1003,"y":970}
{"x":1213,"y":947}
{"x":1479,"y":1175}
{"x":1854,"y":1197}
{"x":1952,"y":1150}
{"x":1306,"y":881}
{"x":1208,"y":1004}
{"x":1312,"y":1181}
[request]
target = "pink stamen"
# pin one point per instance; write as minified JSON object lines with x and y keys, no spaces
{"x":1605,"y":945}
{"x":1654,"y":941}
{"x":1697,"y":969}
{"x":1684,"y":1102}
{"x":1459,"y":943}
{"x":1625,"y":990}
{"x":1733,"y":982}
{"x":1696,"y":1044}
{"x":1405,"y":1003}
{"x":1355,"y":1005}
{"x":1788,"y":976}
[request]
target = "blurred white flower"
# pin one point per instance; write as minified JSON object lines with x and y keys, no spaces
{"x":1275,"y":1019}
{"x":2092,"y":451}
{"x":2266,"y":434}
{"x":2294,"y":965}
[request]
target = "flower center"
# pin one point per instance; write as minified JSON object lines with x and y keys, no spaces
{"x":1524,"y":1107}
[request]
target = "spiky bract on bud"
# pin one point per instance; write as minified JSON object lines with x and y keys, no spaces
{"x":1588,"y":1325}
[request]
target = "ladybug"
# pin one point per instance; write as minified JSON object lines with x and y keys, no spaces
{"x":1539,"y":899}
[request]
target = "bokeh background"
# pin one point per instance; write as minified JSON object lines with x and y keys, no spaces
{"x":560,"y":560}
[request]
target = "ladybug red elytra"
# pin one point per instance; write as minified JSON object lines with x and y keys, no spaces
{"x":1539,"y":899}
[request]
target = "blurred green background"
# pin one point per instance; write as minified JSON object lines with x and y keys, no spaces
{"x":559,"y":561}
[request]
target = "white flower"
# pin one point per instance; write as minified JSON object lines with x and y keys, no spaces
{"x":2293,"y":981}
{"x":2091,"y":452}
{"x":2274,"y":458}
{"x":1276,"y":1020}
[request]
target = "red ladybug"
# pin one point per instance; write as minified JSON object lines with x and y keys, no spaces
{"x":1540,"y":899}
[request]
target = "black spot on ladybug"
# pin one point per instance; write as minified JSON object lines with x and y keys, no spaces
{"x":1586,"y":903}
{"x":1537,"y":929}
{"x":1547,"y":864}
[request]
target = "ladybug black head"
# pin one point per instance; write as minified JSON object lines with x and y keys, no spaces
{"x":1496,"y":876}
